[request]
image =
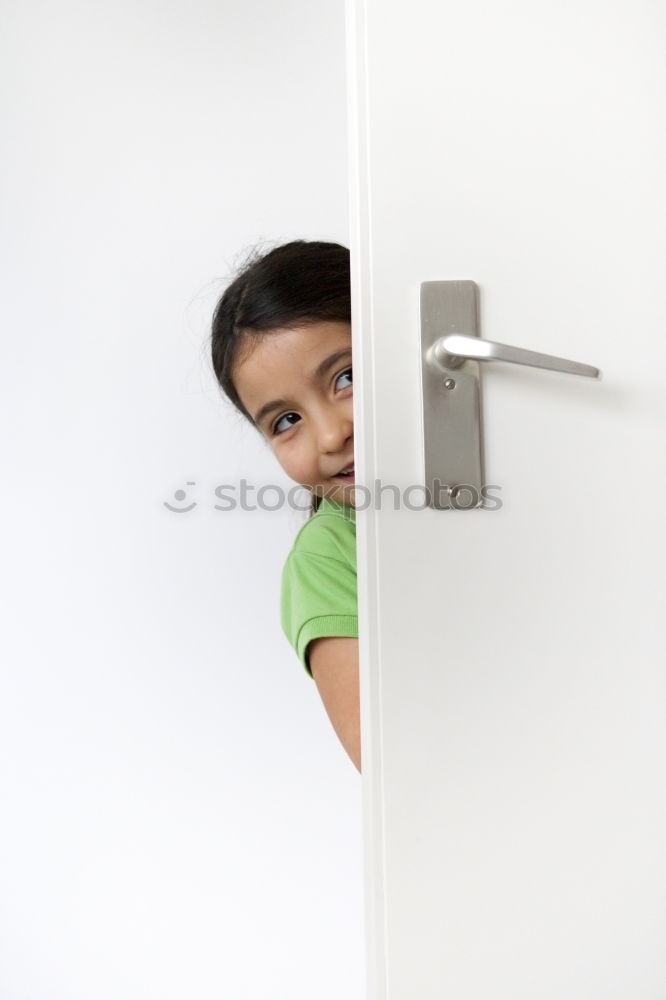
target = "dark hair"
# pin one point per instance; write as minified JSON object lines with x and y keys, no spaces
{"x":296,"y":283}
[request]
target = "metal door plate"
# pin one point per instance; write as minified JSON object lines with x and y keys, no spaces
{"x":451,"y":399}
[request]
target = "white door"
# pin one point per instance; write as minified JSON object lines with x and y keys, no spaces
{"x":513,"y":676}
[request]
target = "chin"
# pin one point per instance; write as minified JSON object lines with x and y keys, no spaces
{"x":341,"y":492}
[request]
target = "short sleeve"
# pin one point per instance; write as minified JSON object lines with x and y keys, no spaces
{"x":319,"y":597}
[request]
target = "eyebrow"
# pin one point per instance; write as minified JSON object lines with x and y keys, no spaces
{"x":321,"y":370}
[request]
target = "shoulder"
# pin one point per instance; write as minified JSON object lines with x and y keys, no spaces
{"x":319,"y":582}
{"x":330,"y":533}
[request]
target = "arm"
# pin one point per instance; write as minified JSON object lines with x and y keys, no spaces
{"x":334,"y":666}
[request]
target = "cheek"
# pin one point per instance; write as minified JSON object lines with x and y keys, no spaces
{"x":294,"y":459}
{"x":287,"y":458}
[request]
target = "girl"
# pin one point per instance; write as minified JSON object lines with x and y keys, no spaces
{"x":281,"y":350}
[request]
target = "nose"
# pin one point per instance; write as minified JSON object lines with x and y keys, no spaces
{"x":333,"y":430}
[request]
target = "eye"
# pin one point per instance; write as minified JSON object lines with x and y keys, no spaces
{"x":276,"y":425}
{"x":348,"y":373}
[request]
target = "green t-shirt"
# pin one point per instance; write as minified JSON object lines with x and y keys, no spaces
{"x":319,"y":579}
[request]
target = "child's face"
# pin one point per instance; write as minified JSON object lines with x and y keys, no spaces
{"x":310,"y":427}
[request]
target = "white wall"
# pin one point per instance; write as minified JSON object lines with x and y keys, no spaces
{"x":178,"y":818}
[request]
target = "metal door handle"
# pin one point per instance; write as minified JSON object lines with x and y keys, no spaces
{"x":451,"y":389}
{"x":454,"y":349}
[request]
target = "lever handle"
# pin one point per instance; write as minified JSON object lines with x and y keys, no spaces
{"x":453,"y":349}
{"x":451,"y":390}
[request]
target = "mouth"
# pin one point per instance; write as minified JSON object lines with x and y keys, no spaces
{"x":346,"y":475}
